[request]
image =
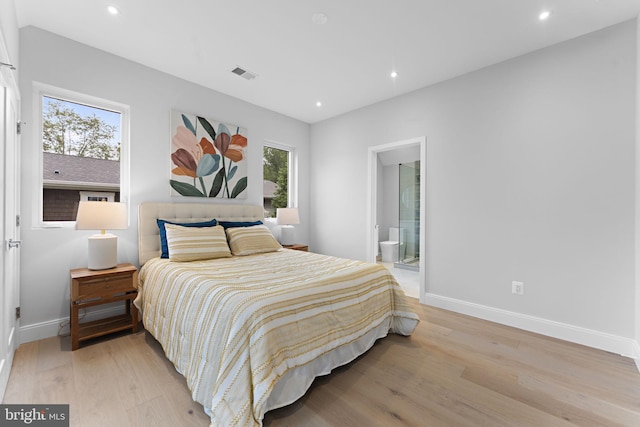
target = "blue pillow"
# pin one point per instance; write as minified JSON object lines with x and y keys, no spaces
{"x":231,"y":224}
{"x":163,"y":232}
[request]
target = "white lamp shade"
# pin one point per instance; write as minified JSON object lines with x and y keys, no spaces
{"x":101,"y":216}
{"x":103,"y":248}
{"x":288,"y":216}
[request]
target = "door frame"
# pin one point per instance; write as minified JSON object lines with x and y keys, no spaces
{"x":372,"y":202}
{"x":10,"y":259}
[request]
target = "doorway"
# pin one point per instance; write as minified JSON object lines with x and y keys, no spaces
{"x":385,"y":152}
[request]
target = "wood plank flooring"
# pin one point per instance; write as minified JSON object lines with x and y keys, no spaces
{"x":453,"y":371}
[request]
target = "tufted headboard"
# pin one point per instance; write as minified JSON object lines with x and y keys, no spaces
{"x":148,"y":213}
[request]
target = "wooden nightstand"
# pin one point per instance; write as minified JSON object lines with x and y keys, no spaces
{"x":297,"y":247}
{"x":95,"y":287}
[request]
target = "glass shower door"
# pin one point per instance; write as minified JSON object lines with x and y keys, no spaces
{"x":409,"y":215}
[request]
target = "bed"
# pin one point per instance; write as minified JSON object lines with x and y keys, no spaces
{"x":251,"y":332}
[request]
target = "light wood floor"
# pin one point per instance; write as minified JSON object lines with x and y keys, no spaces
{"x":453,"y":371}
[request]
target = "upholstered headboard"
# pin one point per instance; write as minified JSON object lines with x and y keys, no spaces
{"x":148,"y":213}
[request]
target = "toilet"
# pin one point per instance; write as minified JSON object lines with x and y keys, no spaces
{"x":391,"y":248}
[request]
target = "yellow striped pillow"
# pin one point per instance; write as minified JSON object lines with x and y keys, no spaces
{"x":196,"y":243}
{"x":251,"y":240}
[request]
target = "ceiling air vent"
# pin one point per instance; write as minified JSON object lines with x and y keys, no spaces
{"x":244,"y":73}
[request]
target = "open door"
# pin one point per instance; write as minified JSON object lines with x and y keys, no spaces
{"x":10,"y":219}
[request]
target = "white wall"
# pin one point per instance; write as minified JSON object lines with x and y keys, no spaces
{"x":530,"y":177}
{"x":391,"y":197}
{"x":48,"y":254}
{"x":9,"y":29}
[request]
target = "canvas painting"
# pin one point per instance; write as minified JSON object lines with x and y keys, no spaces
{"x":208,"y":158}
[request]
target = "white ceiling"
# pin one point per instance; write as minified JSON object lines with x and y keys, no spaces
{"x":345,"y":63}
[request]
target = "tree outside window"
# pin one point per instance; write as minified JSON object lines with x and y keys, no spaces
{"x":81,"y":151}
{"x":66,"y":131}
{"x":275,"y":171}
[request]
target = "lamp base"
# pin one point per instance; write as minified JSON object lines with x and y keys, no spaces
{"x":287,"y":235}
{"x":103,"y":251}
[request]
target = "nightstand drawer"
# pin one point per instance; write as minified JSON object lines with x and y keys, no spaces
{"x":90,"y":284}
{"x":104,"y":287}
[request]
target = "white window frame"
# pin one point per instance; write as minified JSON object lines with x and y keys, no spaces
{"x":41,"y":90}
{"x":292,"y":185}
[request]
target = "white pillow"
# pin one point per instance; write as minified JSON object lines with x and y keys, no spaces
{"x":196,"y":243}
{"x":251,"y":240}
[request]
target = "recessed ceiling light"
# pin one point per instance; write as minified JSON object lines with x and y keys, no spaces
{"x":319,"y":18}
{"x":113,"y":10}
{"x":394,"y":74}
{"x":318,"y":104}
{"x":544,"y":15}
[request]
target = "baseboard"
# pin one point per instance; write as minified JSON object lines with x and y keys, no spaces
{"x":612,"y":343}
{"x":636,"y":353}
{"x":51,"y":328}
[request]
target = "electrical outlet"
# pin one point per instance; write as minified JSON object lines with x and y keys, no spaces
{"x":517,"y":288}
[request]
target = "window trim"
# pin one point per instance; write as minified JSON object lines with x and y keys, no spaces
{"x":292,"y":186}
{"x":41,"y":90}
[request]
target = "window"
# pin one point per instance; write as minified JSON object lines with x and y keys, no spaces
{"x":84,"y":143}
{"x":278,"y":182}
{"x":97,"y":196}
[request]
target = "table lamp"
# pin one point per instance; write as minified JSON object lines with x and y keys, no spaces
{"x":287,"y":217}
{"x":103,"y":247}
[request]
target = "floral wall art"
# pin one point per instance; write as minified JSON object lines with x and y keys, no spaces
{"x":207,"y":158}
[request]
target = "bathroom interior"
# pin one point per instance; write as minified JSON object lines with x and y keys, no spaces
{"x":399,"y":216}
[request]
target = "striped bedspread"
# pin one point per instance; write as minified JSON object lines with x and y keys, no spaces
{"x":234,"y":327}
